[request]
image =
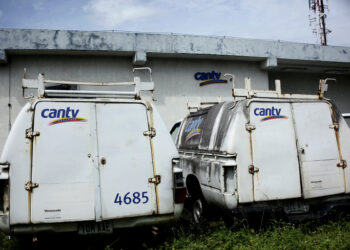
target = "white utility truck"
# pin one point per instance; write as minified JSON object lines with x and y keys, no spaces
{"x":88,"y":161}
{"x":267,"y":151}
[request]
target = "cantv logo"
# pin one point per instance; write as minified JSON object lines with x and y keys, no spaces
{"x":269,"y":113}
{"x":62,"y":115}
{"x":209,"y":78}
{"x":192,"y":129}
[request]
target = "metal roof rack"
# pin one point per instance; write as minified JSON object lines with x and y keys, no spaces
{"x":41,"y":84}
{"x":248,"y":92}
{"x":193,"y":106}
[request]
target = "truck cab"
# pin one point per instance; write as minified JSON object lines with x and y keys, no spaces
{"x":88,"y":161}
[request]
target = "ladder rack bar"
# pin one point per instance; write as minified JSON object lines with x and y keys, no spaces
{"x":91,"y":83}
{"x":89,"y":94}
{"x":40,"y":83}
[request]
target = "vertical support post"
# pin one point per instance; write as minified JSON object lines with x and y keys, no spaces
{"x":137,"y":82}
{"x":248,"y":86}
{"x":278,"y":86}
{"x":247,"y":83}
{"x":322,"y":88}
{"x":41,"y":86}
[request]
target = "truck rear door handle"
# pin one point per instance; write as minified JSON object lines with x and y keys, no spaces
{"x":253,"y":169}
{"x":103,"y":161}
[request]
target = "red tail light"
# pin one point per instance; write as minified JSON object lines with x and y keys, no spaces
{"x":180,"y":194}
{"x":180,"y":190}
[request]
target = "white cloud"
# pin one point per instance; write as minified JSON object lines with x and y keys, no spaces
{"x":265,"y":19}
{"x":38,"y":5}
{"x":274,"y":19}
{"x":110,"y":13}
{"x":1,"y":13}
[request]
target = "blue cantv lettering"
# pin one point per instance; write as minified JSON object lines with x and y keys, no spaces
{"x":204,"y":76}
{"x":43,"y":113}
{"x":207,"y":75}
{"x":267,"y":111}
{"x":74,"y":114}
{"x":268,"y":114}
{"x":67,"y":112}
{"x":60,"y":113}
{"x":53,"y":113}
{"x":197,"y":75}
{"x":255,"y":110}
{"x":209,"y":78}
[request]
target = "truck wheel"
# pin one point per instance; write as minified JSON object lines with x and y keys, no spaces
{"x":198,"y":211}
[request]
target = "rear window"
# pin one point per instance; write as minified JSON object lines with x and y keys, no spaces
{"x":175,"y":130}
{"x":192,"y":131}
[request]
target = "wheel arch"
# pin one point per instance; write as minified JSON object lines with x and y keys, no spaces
{"x":193,"y":186}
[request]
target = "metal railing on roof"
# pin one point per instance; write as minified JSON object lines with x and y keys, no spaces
{"x":41,"y":83}
{"x":248,"y":92}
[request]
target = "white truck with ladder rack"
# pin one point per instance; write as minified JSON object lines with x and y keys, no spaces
{"x":88,"y":161}
{"x":266,"y":151}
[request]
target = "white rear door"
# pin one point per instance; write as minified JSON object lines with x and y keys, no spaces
{"x":318,"y":150}
{"x":274,"y":152}
{"x":125,"y":161}
{"x":61,"y":164}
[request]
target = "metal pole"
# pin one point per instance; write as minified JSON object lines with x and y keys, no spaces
{"x":323,"y":23}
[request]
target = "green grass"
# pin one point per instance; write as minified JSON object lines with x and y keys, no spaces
{"x":7,"y":242}
{"x":278,"y":235}
{"x":332,"y":234}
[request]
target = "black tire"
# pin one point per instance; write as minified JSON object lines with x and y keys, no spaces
{"x":199,"y":210}
{"x":196,"y":203}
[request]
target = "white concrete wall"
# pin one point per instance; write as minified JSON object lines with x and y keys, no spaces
{"x":175,"y":83}
{"x":170,"y":44}
{"x":174,"y":79}
{"x":4,"y":101}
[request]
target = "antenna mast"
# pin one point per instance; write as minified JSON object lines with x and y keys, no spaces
{"x":319,"y":18}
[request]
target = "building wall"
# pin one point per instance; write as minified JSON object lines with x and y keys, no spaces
{"x":174,"y":80}
{"x":4,"y":102}
{"x":176,"y":86}
{"x":307,"y":83}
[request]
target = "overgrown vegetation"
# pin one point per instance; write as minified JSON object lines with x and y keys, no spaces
{"x":273,"y":234}
{"x":333,"y":234}
{"x":7,"y":242}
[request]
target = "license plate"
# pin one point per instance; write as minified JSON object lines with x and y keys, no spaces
{"x":296,"y":207}
{"x":103,"y":227}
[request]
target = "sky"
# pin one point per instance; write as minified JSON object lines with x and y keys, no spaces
{"x":286,"y":20}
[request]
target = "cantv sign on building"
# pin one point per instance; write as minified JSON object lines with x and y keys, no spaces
{"x":209,"y":78}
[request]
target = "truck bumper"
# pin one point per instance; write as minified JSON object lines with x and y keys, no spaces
{"x":118,"y":223}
